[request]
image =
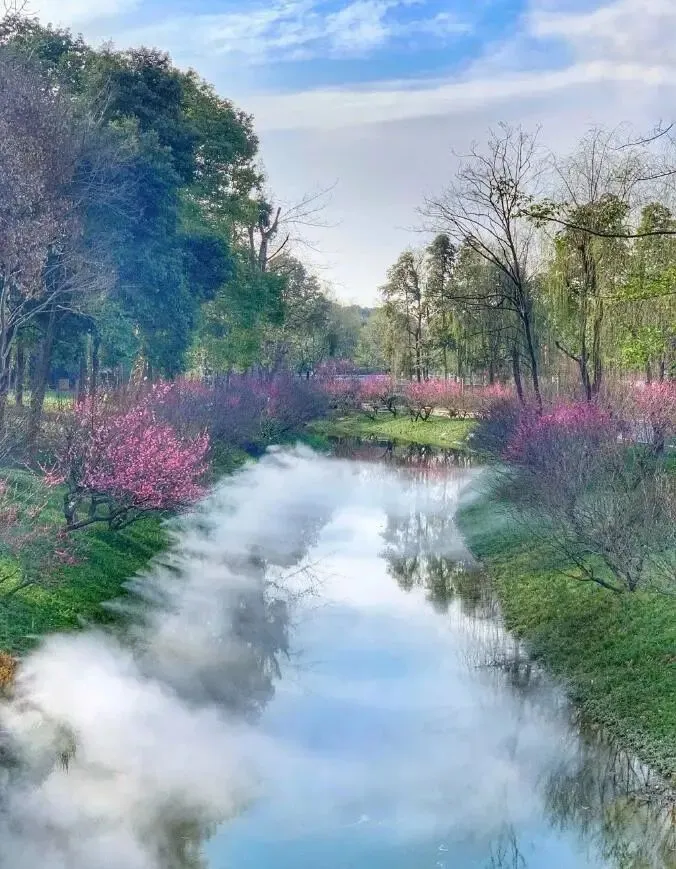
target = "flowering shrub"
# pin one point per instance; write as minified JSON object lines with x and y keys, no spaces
{"x":574,"y":429}
{"x":498,"y":421}
{"x":422,"y":398}
{"x":602,"y":507}
{"x":290,"y":404}
{"x":655,"y":403}
{"x":342,"y":393}
{"x":379,"y":392}
{"x":118,"y":465}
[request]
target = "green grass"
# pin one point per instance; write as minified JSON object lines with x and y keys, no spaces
{"x":73,"y":594}
{"x":437,"y":431}
{"x":616,"y":654}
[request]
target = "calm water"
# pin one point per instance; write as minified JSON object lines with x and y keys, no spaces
{"x":410,"y":731}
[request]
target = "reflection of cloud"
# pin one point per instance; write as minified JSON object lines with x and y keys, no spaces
{"x":387,"y":721}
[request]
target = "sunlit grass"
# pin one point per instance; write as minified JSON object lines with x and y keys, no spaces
{"x":436,"y":431}
{"x":616,"y":653}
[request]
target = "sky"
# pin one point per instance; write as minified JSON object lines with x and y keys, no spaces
{"x":375,"y":99}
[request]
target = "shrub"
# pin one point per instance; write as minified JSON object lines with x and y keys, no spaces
{"x":379,"y":392}
{"x":118,"y":465}
{"x":291,"y":403}
{"x":422,"y":398}
{"x":601,"y":505}
{"x":498,"y":421}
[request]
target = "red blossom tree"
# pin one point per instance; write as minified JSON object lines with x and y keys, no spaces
{"x":119,"y":465}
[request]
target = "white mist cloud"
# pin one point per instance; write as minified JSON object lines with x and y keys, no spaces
{"x":151,"y":718}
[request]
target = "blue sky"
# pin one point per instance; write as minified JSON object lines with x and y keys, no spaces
{"x":375,"y":94}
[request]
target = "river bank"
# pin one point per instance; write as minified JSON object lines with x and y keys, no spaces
{"x":437,"y":431}
{"x":615,"y":653}
{"x":74,"y":594}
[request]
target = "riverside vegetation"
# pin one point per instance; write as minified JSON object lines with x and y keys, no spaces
{"x":157,"y":327}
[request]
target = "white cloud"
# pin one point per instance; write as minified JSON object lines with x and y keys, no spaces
{"x":297,"y":29}
{"x":341,"y":107}
{"x":76,"y":12}
{"x":621,"y":32}
{"x":567,"y":65}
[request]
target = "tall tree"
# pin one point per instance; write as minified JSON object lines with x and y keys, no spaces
{"x":484,"y":209}
{"x":440,"y":288}
{"x":52,"y":170}
{"x":406,"y":305}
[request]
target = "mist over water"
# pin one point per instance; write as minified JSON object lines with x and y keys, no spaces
{"x":117,"y":745}
{"x":313,"y":674}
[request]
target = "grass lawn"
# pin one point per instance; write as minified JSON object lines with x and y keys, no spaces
{"x":437,"y":431}
{"x":74,"y":595}
{"x":615,"y":653}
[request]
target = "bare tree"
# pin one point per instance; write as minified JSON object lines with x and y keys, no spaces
{"x":484,"y":209}
{"x":273,"y":229}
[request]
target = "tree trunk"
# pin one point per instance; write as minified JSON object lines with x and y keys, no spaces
{"x":96,"y":365}
{"x":82,"y":375}
{"x":516,"y":373}
{"x":19,"y":373}
{"x":532,"y":358}
{"x":597,"y":362}
{"x":648,"y":373}
{"x":40,"y":382}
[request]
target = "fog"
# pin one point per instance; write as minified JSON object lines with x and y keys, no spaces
{"x":118,"y":742}
{"x":127,"y":748}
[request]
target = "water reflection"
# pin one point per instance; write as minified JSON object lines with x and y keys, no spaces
{"x":416,"y":731}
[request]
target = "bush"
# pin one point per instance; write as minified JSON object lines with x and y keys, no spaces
{"x":498,"y":421}
{"x":602,"y":505}
{"x":120,"y":464}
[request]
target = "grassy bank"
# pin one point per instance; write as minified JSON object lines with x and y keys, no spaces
{"x":615,"y":653}
{"x":437,"y":431}
{"x":73,"y":594}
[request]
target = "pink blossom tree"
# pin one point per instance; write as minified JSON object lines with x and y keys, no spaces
{"x":379,"y":392}
{"x":118,"y":465}
{"x":602,"y":507}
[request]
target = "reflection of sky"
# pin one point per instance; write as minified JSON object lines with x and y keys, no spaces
{"x":385,"y":748}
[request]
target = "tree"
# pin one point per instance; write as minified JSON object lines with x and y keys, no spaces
{"x":121,"y":464}
{"x":598,"y":188}
{"x":440,"y":287}
{"x":484,"y":209}
{"x":406,"y":305}
{"x":646,"y":302}
{"x":603,"y":509}
{"x":50,"y":172}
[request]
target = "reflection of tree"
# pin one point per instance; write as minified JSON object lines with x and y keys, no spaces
{"x":415,"y":542}
{"x":431,"y":459}
{"x":505,"y":852}
{"x":615,"y":804}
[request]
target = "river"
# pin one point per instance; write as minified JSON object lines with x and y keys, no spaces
{"x":415,"y":731}
{"x":318,"y":659}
